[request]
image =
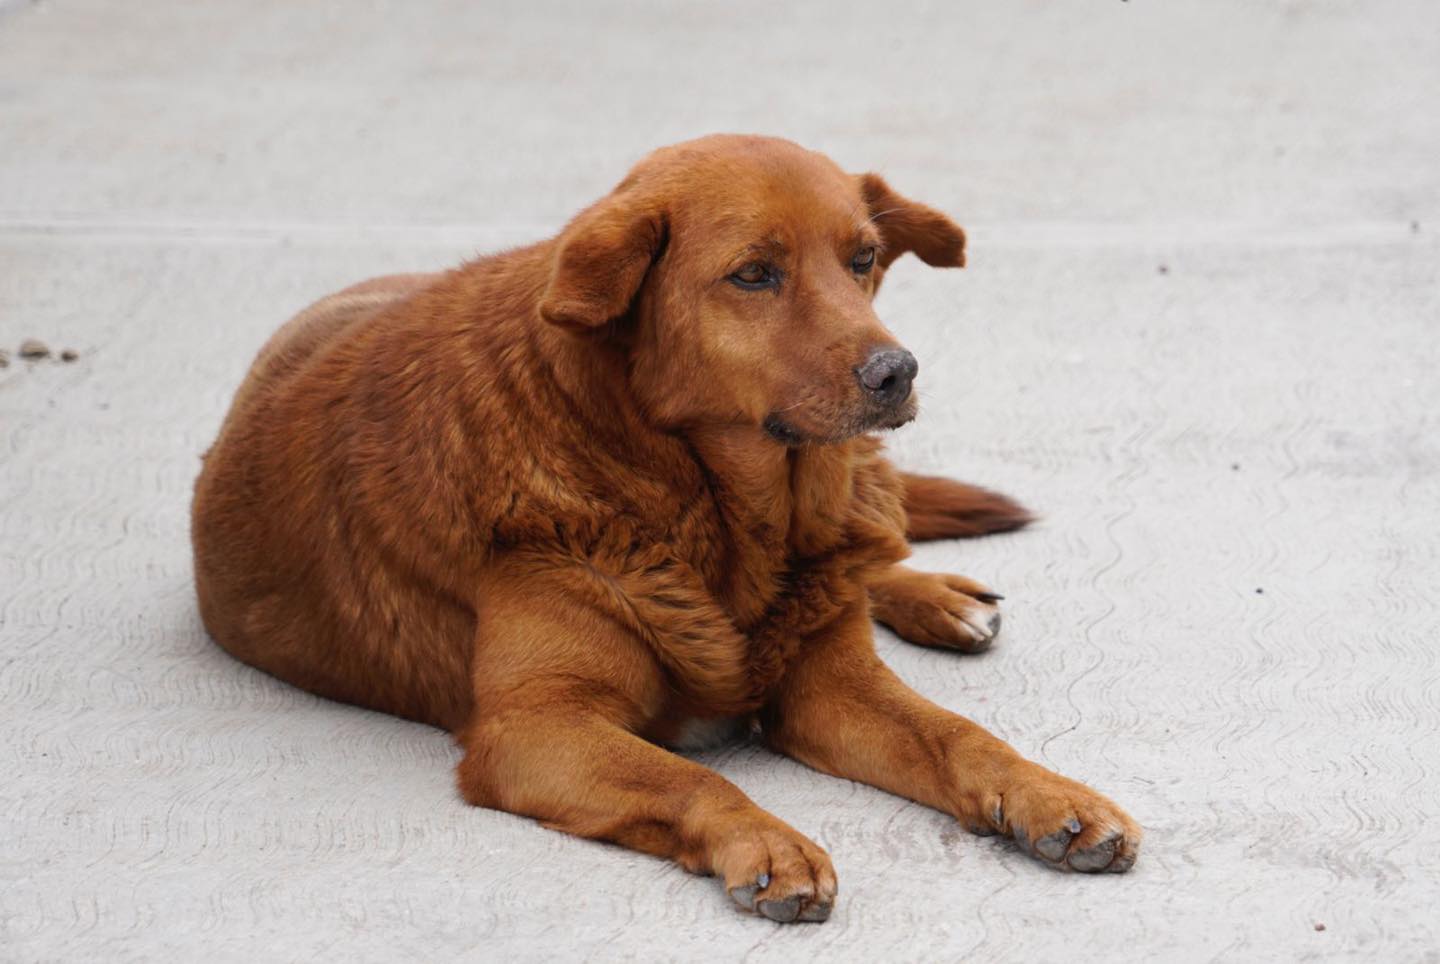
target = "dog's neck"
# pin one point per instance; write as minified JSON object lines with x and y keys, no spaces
{"x":798,"y":493}
{"x":779,"y":506}
{"x":750,"y":475}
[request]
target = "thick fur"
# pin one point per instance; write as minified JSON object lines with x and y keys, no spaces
{"x":583,"y":499}
{"x":937,"y":508}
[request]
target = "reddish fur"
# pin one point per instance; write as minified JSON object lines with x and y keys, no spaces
{"x":937,"y":508}
{"x":530,"y":501}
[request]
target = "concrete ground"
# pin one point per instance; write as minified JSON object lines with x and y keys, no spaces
{"x":1200,"y":333}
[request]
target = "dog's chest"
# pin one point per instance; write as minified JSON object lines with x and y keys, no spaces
{"x":744,"y":563}
{"x":736,"y":579}
{"x":774,"y":547}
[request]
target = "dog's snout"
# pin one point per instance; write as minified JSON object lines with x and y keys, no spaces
{"x":887,"y":375}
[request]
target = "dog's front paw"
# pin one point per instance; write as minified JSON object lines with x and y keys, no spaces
{"x":1060,"y":821}
{"x":779,"y":874}
{"x":932,"y":609}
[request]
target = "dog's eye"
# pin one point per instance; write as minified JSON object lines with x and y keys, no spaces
{"x":863,"y":261}
{"x":755,"y":275}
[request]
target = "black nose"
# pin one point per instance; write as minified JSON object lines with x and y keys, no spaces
{"x":887,"y":374}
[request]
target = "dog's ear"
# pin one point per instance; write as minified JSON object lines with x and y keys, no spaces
{"x":908,"y":225}
{"x":601,"y":259}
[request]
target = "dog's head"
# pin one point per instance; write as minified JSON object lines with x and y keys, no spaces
{"x":739,"y":272}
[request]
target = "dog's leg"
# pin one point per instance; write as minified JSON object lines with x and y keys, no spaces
{"x":937,"y":508}
{"x":561,"y":693}
{"x":842,"y":711}
{"x":930,"y":609}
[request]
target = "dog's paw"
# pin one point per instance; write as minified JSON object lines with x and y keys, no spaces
{"x":1061,"y":822}
{"x":932,"y":609}
{"x":779,"y":874}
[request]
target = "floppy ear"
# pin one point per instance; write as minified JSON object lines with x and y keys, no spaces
{"x":600,"y":260}
{"x":908,"y":225}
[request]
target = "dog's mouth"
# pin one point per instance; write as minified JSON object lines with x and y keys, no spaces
{"x":789,"y":434}
{"x":783,"y":432}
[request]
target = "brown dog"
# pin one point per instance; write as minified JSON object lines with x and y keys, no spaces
{"x":615,"y":491}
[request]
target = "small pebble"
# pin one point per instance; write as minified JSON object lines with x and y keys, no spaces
{"x":1259,"y":592}
{"x":1163,"y":269}
{"x":1234,"y":466}
{"x":69,"y":355}
{"x":34,"y":348}
{"x":1319,"y":927}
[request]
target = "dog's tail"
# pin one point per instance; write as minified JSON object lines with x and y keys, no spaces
{"x":938,"y":508}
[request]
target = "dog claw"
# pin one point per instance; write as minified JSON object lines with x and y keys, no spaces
{"x":1095,"y":858}
{"x":816,"y":913}
{"x":783,"y":911}
{"x":745,"y":896}
{"x":1053,"y":846}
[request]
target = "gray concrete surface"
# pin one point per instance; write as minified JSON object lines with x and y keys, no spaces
{"x":1199,"y":334}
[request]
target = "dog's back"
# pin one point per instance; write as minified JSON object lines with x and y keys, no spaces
{"x":313,"y":330}
{"x":235,"y":533}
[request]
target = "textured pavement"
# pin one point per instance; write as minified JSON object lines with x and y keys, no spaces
{"x":1200,"y":334}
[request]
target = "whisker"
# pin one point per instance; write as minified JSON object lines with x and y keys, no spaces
{"x":881,"y":214}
